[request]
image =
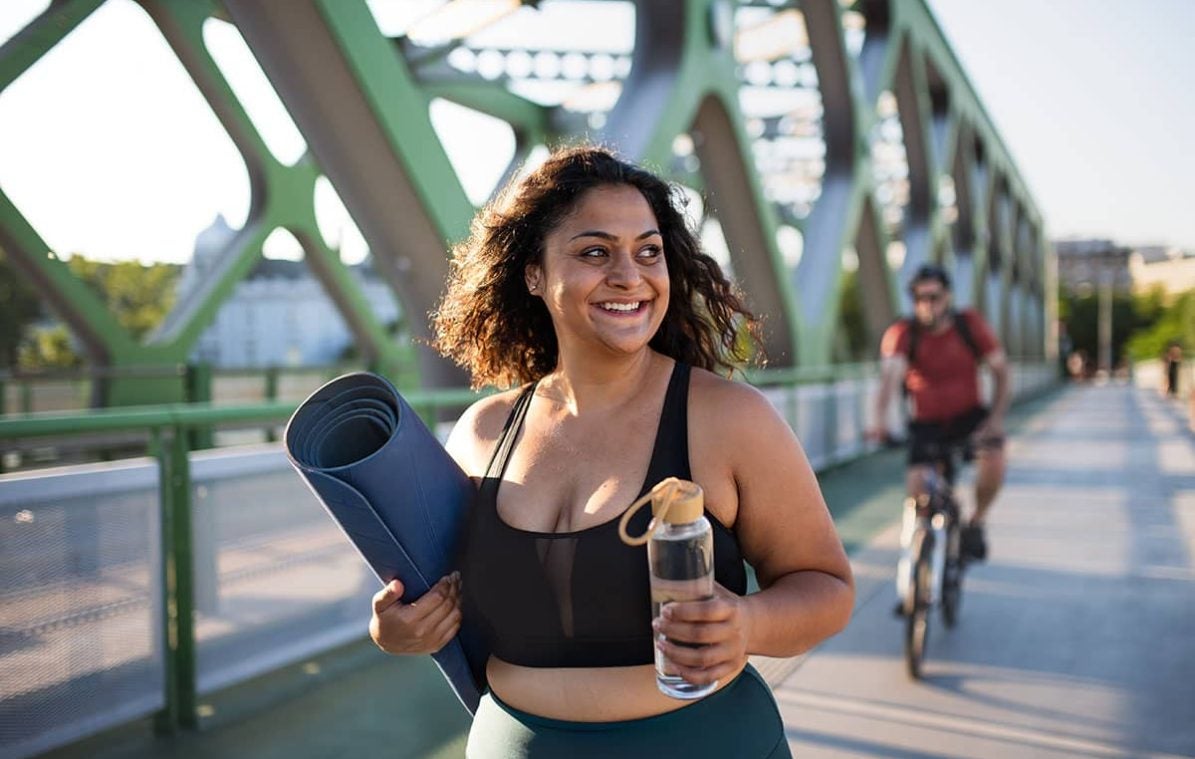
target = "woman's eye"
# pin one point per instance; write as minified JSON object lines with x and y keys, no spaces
{"x":593,"y":252}
{"x":651,"y":251}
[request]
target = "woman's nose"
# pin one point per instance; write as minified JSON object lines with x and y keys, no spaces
{"x":623,"y":270}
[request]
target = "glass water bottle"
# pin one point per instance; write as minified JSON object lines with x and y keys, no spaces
{"x":680,"y":555}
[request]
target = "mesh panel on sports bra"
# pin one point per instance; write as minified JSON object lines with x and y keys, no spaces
{"x":556,"y":555}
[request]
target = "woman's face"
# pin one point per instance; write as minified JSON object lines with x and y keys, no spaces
{"x":603,"y":276}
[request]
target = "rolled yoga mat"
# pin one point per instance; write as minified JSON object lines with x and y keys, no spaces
{"x":395,"y":492}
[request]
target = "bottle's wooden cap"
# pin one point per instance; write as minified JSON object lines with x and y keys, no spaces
{"x":673,"y":500}
{"x":677,"y":501}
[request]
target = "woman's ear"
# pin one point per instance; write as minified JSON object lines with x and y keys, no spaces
{"x":533,"y":275}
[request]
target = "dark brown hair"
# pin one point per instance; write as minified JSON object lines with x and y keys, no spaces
{"x":490,"y":325}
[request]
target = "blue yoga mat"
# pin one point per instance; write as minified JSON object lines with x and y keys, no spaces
{"x":395,"y":492}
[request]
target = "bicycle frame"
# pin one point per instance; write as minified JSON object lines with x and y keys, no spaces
{"x":930,"y":572}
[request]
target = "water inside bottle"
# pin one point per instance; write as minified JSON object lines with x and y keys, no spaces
{"x":681,"y":570}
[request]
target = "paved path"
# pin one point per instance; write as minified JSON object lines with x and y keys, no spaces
{"x":1077,"y":637}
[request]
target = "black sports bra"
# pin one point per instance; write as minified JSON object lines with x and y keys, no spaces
{"x":576,"y":599}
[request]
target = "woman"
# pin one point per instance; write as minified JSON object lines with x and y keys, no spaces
{"x":583,"y":283}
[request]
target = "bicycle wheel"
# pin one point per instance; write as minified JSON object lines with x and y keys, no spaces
{"x":917,"y":622}
{"x":952,"y":577}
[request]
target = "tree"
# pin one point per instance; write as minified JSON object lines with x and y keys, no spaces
{"x":851,"y":341}
{"x":1080,"y":313}
{"x":48,"y":348}
{"x":18,"y":309}
{"x":1171,"y":323}
{"x":1143,"y":324}
{"x":139,"y":296}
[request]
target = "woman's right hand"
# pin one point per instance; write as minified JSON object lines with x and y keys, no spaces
{"x":420,"y":627}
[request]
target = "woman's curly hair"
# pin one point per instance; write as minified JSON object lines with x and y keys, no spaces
{"x":490,"y":325}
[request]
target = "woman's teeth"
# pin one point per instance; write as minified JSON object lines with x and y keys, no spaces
{"x":620,"y":306}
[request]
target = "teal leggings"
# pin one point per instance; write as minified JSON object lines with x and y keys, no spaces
{"x":741,"y":720}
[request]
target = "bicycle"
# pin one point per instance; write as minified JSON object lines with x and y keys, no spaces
{"x":930,"y":573}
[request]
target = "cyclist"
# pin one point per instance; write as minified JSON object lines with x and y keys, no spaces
{"x":936,"y":355}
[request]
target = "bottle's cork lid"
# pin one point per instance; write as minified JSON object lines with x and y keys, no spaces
{"x":677,"y":501}
{"x":673,"y":500}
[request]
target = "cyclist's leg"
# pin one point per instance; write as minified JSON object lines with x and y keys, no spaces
{"x":987,"y":452}
{"x":917,"y":477}
{"x":921,"y":439}
{"x":989,"y":474}
{"x":990,"y":464}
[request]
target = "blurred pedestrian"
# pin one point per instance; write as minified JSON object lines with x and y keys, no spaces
{"x":1173,"y":366}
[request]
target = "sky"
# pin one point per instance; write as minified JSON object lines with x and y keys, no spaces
{"x":1095,"y":100}
{"x":109,"y":149}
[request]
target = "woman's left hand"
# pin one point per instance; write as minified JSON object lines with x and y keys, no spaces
{"x":719,"y":628}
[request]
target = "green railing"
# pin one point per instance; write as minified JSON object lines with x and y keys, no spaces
{"x":200,"y":379}
{"x":810,"y":375}
{"x":35,"y":390}
{"x":170,"y":431}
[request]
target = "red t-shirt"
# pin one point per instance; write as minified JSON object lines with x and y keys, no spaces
{"x":942,"y":378}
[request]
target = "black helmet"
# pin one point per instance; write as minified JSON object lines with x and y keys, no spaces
{"x":930,"y":271}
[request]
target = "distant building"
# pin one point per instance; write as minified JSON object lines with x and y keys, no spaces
{"x":280,"y":314}
{"x":1084,"y":264}
{"x":1172,"y":269}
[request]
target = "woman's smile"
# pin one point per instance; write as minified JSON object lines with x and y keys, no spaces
{"x":623,"y":308}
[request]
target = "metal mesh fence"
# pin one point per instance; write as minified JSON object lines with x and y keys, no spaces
{"x":275,"y":579}
{"x":80,"y":603}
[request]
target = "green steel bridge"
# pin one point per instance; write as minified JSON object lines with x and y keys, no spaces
{"x":825,"y":141}
{"x":825,"y":136}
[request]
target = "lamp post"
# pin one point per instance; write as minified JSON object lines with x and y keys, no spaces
{"x":1104,"y":319}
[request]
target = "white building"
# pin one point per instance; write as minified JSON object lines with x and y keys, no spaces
{"x":1172,"y":269}
{"x":279,"y":315}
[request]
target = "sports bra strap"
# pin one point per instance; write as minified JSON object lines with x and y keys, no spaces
{"x":506,"y":442}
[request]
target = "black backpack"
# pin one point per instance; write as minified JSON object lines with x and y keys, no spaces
{"x":960,"y":324}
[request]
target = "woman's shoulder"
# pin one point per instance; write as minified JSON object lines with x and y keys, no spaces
{"x":733,"y":405}
{"x":477,"y":430}
{"x":490,"y":411}
{"x":735,"y":434}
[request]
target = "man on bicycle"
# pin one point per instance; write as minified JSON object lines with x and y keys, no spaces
{"x":936,"y":356}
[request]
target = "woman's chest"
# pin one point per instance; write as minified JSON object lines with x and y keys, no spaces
{"x":572,"y":477}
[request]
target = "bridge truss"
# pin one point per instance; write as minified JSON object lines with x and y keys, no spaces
{"x":822,"y":137}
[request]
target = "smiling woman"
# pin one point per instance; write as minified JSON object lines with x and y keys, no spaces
{"x":490,"y":322}
{"x":583,"y":282}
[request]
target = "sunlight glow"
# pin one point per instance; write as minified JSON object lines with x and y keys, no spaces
{"x":254,"y":91}
{"x":281,"y":245}
{"x":336,"y":226}
{"x":781,"y":35}
{"x":479,"y":146}
{"x":111,"y":151}
{"x":458,"y":19}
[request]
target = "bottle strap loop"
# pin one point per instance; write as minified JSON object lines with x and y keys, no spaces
{"x":667,"y":490}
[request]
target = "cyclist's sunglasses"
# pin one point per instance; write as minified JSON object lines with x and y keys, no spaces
{"x":933,"y":297}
